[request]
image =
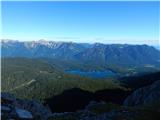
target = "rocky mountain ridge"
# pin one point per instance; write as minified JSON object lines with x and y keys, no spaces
{"x":98,"y":54}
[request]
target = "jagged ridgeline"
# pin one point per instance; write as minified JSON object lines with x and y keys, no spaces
{"x":35,"y":78}
{"x":121,"y":58}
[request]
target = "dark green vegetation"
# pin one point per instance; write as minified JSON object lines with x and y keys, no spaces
{"x":35,"y":78}
{"x":109,"y":111}
{"x":138,"y":81}
{"x":77,"y":99}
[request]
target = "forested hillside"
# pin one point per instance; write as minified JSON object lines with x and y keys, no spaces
{"x":34,"y":78}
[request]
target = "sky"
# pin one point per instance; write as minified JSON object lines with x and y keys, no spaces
{"x":106,"y":22}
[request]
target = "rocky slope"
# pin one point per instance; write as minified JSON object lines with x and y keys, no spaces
{"x":14,"y":108}
{"x":18,"y":109}
{"x":145,"y":95}
{"x":143,"y":104}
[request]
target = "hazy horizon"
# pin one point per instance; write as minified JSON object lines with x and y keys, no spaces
{"x":45,"y":40}
{"x":83,"y":22}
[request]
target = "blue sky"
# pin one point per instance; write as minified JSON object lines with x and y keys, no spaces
{"x":107,"y":22}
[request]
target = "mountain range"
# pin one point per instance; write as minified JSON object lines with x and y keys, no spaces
{"x":97,"y":56}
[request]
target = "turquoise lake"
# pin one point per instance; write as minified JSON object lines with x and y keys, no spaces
{"x":93,"y":74}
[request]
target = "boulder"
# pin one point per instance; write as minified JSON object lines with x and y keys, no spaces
{"x":14,"y":108}
{"x":35,"y":107}
{"x":23,"y":114}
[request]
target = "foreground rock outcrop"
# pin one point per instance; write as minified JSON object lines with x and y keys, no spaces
{"x":142,"y":104}
{"x":145,"y":95}
{"x":13,"y":108}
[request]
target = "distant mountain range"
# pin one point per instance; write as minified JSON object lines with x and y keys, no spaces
{"x":97,"y":54}
{"x":41,"y":49}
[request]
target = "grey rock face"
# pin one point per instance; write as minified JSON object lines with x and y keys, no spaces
{"x":35,"y":107}
{"x":145,"y":95}
{"x":13,"y":108}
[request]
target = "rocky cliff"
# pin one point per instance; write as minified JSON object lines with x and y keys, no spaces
{"x":145,"y":95}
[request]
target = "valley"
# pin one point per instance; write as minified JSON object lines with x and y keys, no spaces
{"x":23,"y":76}
{"x":80,"y":60}
{"x":73,"y":77}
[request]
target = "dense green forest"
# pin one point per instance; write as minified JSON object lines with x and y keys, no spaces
{"x":38,"y":79}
